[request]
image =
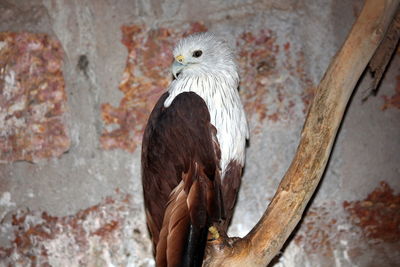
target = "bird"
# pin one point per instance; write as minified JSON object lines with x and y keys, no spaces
{"x":193,"y":150}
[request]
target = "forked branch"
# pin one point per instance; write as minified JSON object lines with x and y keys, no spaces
{"x":284,"y":212}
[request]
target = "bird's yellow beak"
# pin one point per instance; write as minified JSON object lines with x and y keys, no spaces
{"x":178,"y":65}
{"x":179,"y":58}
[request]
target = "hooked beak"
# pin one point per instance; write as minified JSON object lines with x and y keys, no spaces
{"x":178,"y":66}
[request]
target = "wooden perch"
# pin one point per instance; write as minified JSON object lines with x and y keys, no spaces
{"x":265,"y":240}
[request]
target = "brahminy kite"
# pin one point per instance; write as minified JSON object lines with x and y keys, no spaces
{"x":193,"y":151}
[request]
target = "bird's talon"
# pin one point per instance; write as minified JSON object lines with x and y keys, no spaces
{"x":213,"y":233}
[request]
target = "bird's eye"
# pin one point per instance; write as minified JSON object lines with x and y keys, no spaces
{"x":197,"y":53}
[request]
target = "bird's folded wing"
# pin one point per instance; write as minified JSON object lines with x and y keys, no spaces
{"x":181,"y":178}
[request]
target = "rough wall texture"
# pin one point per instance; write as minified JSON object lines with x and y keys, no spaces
{"x":33,"y":98}
{"x":70,"y":192}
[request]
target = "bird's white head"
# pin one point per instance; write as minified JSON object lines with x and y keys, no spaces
{"x":203,"y":54}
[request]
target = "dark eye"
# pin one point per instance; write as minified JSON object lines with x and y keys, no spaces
{"x":197,"y":53}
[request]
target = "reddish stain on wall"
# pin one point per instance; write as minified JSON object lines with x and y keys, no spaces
{"x":319,"y":231}
{"x":270,"y":71}
{"x":81,"y":239}
{"x":378,"y":215}
{"x":32,"y":97}
{"x":257,"y":63}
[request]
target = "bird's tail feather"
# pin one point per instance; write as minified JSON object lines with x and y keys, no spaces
{"x":189,"y":212}
{"x":194,"y":249}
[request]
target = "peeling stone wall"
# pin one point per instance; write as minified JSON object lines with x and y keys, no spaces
{"x":33,"y":98}
{"x":79,"y":78}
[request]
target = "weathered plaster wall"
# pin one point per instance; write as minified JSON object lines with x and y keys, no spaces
{"x":78,"y":201}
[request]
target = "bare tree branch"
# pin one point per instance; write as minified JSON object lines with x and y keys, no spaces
{"x":323,"y":120}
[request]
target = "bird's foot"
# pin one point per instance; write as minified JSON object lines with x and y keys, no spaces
{"x":213,"y":233}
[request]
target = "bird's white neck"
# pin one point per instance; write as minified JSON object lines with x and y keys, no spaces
{"x":219,"y":91}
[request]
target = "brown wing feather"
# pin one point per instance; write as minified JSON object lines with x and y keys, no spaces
{"x":180,"y":175}
{"x":174,"y":229}
{"x":230,"y":189}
